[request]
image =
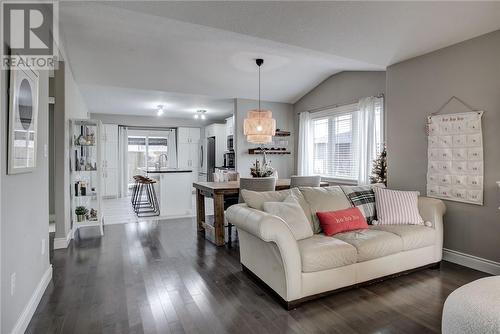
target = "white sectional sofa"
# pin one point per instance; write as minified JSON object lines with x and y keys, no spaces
{"x":299,"y":270}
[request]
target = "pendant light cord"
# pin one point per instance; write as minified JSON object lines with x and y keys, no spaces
{"x":259,"y":89}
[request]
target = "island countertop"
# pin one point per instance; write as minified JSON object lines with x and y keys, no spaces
{"x":165,"y":170}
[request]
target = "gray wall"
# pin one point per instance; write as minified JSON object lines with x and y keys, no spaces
{"x":417,"y":87}
{"x":283,"y":113}
{"x":339,"y":89}
{"x":24,"y":216}
{"x":52,"y":209}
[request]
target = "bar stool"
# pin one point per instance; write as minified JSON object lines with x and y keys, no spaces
{"x":148,"y":206}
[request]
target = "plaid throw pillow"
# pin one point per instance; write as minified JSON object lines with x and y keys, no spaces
{"x":363,"y":198}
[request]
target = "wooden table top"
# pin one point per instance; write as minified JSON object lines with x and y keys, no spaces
{"x":234,"y":186}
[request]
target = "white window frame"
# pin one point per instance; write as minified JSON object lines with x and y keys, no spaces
{"x":352,"y":108}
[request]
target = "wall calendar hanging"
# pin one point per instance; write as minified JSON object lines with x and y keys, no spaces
{"x":455,"y":156}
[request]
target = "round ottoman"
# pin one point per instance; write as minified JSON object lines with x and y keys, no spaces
{"x":473,"y":308}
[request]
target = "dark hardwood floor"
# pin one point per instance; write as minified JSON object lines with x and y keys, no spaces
{"x":161,"y":277}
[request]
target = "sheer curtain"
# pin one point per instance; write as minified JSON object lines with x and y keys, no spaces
{"x":304,"y":154}
{"x":369,"y":135}
{"x":123,"y":161}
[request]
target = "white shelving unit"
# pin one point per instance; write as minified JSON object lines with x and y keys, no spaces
{"x":86,"y":172}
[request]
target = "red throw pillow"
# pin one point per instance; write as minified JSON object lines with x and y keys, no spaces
{"x":333,"y":222}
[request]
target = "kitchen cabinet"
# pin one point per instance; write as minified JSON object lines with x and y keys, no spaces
{"x":188,"y":135}
{"x":188,"y":155}
{"x":109,"y":147}
{"x":230,"y":126}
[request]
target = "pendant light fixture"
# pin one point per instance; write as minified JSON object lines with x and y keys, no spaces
{"x":259,"y":126}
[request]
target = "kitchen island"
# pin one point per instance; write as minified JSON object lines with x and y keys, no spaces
{"x":174,"y":190}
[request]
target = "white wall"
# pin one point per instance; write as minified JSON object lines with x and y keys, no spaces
{"x":24,"y":216}
{"x":283,"y":113}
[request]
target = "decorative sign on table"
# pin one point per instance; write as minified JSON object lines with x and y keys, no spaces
{"x":455,"y":157}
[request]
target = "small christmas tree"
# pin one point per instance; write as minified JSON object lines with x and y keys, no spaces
{"x":379,"y":168}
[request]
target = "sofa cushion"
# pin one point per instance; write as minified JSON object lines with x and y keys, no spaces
{"x":292,"y":214}
{"x":320,"y":252}
{"x":372,"y":244}
{"x":256,"y":199}
{"x":414,"y":236}
{"x":324,"y":199}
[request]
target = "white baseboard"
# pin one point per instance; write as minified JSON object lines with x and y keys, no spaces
{"x":471,"y":261}
{"x":25,"y":318}
{"x":60,"y":243}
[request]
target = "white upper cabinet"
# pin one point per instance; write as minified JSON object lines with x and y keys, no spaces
{"x":188,"y":135}
{"x":109,"y":149}
{"x":215,"y":130}
{"x":230,"y":126}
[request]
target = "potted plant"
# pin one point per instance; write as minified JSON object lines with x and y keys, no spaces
{"x":80,"y":212}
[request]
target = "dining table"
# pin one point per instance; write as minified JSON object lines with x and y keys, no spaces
{"x":220,"y":192}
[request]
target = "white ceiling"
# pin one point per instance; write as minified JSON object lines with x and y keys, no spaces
{"x":130,"y":101}
{"x":128,"y":55}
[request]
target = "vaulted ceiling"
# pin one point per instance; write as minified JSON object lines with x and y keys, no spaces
{"x":130,"y":56}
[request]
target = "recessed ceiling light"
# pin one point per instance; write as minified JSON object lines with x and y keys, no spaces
{"x":196,"y":116}
{"x":160,"y":110}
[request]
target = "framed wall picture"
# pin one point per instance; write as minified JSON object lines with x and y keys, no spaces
{"x":23,"y":116}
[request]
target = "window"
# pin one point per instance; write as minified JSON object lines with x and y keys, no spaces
{"x":336,"y":141}
{"x":150,"y":149}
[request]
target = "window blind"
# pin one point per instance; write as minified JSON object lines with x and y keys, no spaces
{"x":335,"y":141}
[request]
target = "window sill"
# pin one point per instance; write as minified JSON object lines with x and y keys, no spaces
{"x":339,"y":181}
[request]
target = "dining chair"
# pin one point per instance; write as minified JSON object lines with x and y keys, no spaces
{"x":254,"y":184}
{"x":305,"y":181}
{"x":257,"y":184}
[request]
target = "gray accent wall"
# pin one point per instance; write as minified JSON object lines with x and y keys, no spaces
{"x":283,"y":114}
{"x":24,"y":215}
{"x":339,"y":89}
{"x":418,"y":87}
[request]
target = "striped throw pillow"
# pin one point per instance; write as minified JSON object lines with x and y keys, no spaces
{"x":397,"y":207}
{"x":363,"y":198}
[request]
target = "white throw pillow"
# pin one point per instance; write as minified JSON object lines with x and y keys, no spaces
{"x":256,"y":199}
{"x":397,"y":207}
{"x":291,"y":212}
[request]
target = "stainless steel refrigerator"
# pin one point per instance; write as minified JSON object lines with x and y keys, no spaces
{"x":210,"y":158}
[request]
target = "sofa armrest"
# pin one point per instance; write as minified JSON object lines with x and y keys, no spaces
{"x":270,"y":228}
{"x":432,"y":210}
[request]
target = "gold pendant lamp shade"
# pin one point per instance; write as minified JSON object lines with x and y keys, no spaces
{"x":259,"y":126}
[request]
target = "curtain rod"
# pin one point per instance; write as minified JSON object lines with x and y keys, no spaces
{"x":312,"y":111}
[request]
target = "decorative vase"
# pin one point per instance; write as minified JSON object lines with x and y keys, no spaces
{"x":80,"y":218}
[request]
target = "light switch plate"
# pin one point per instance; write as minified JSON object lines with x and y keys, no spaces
{"x":45,"y":150}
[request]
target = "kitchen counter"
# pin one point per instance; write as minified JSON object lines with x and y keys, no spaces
{"x":173,"y":189}
{"x":165,"y":170}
